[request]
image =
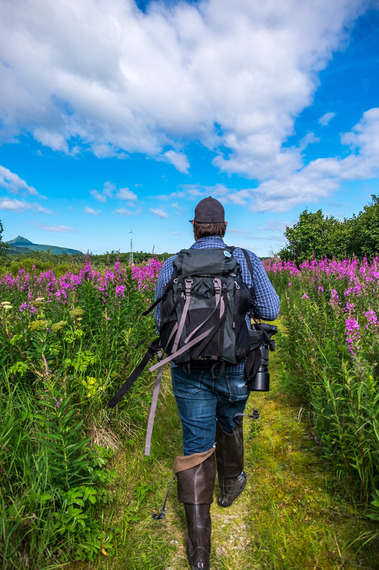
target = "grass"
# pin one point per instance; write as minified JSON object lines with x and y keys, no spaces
{"x":289,"y":517}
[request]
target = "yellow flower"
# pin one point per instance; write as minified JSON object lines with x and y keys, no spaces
{"x":77,"y":312}
{"x":37,"y":325}
{"x":58,"y":326}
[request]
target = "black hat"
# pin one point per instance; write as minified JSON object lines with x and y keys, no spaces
{"x":209,"y":211}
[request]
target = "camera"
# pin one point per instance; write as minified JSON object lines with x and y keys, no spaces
{"x":261,"y":342}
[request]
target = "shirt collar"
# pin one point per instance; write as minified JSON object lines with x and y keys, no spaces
{"x":208,"y":241}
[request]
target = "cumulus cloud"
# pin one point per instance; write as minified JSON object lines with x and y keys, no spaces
{"x":51,"y":139}
{"x":21,"y":206}
{"x":179,"y":160}
{"x":126,"y":212}
{"x":322,"y":176}
{"x":41,"y":209}
{"x":159,"y":213}
{"x":110,"y":191}
{"x":325,"y":119}
{"x":88,"y":210}
{"x":106,"y":77}
{"x":14,"y":205}
{"x":58,"y":229}
{"x":126,"y":194}
{"x":310,"y":138}
{"x":308,"y":183}
{"x":14,"y":184}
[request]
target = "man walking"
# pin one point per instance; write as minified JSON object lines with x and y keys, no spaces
{"x":210,"y":407}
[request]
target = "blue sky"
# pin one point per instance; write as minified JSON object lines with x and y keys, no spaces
{"x":117,"y":116}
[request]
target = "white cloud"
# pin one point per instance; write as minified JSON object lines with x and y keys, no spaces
{"x":106,"y":77}
{"x":58,"y":229}
{"x":98,"y":196}
{"x":110,"y":191}
{"x":40,"y":209}
{"x":159,"y":213}
{"x":310,"y":138}
{"x":322,"y":176}
{"x":177,"y":207}
{"x":21,"y":206}
{"x":14,"y":205}
{"x":275,"y":226}
{"x":126,"y":194}
{"x":14,"y":184}
{"x":126,"y":212}
{"x":51,"y":139}
{"x":308,"y":183}
{"x":179,"y":160}
{"x":325,"y":119}
{"x":88,"y":210}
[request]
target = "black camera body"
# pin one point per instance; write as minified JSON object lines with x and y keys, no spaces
{"x":261,"y":342}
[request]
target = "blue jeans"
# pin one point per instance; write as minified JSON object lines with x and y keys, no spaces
{"x":201,"y":400}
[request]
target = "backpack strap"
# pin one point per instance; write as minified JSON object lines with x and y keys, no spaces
{"x":153,"y":408}
{"x":151,"y":351}
{"x":248,"y":261}
{"x":250,"y":268}
{"x":181,"y":350}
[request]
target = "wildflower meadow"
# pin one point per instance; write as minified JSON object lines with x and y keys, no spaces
{"x":66,"y":344}
{"x":68,"y":341}
{"x":329,"y":347}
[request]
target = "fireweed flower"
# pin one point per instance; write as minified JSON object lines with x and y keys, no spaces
{"x":120,"y":291}
{"x":372,"y":319}
{"x":305,"y":296}
{"x":334,"y":301}
{"x":353,"y":335}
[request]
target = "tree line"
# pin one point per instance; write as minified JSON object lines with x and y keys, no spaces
{"x":316,"y":236}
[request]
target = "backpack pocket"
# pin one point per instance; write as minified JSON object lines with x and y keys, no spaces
{"x":242,"y":337}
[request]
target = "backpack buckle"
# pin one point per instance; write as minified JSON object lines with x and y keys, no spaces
{"x":188,"y":285}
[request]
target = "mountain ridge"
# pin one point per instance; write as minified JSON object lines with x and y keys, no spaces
{"x":22,"y":245}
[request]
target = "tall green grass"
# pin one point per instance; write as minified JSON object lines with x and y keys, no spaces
{"x":329,"y":351}
{"x":66,"y":345}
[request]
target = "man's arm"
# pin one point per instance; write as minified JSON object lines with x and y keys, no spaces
{"x":265,"y":300}
{"x":163,"y":278}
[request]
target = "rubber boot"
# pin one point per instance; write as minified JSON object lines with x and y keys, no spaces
{"x":195,"y":490}
{"x":230,"y":457}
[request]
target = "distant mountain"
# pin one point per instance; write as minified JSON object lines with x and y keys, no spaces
{"x":22,"y":245}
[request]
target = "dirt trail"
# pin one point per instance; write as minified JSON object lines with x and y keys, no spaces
{"x":287,"y":518}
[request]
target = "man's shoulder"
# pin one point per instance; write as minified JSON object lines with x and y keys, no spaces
{"x":239,"y":252}
{"x":170,"y":259}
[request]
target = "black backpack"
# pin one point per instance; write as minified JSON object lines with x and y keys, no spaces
{"x":203,"y":317}
{"x":203,"y":321}
{"x":203,"y":311}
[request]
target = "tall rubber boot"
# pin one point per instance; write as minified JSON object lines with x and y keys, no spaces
{"x":196,"y":476}
{"x":230,"y":459}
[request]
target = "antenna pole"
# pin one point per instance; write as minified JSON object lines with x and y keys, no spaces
{"x":131,"y":256}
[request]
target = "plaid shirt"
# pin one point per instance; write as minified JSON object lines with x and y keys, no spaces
{"x":265,"y":300}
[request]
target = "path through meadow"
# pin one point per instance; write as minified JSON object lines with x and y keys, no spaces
{"x":289,"y":517}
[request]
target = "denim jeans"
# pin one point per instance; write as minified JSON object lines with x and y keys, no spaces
{"x":202,"y":399}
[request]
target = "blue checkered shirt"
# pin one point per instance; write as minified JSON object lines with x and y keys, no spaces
{"x":265,"y":300}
